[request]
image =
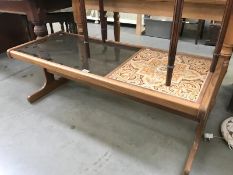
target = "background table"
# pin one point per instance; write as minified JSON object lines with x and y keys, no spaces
{"x":195,"y":9}
{"x":35,"y":10}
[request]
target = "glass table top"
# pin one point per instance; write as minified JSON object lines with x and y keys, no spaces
{"x":144,"y":68}
{"x":68,"y":50}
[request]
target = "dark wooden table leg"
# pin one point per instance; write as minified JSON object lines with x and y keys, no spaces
{"x":103,"y":20}
{"x":182,"y":26}
{"x":77,"y":16}
{"x":200,"y":29}
{"x":230,"y":107}
{"x":37,"y":15}
{"x":175,"y":31}
{"x":116,"y":16}
{"x":117,"y":26}
{"x":79,"y":12}
{"x":50,"y":84}
{"x":105,"y":26}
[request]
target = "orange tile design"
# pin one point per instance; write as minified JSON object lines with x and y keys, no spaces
{"x":148,"y":69}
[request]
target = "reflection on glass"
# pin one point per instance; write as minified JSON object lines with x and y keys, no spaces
{"x":69,"y":50}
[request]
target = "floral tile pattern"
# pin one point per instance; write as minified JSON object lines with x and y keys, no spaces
{"x":148,"y":69}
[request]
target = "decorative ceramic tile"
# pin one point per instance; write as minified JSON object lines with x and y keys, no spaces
{"x":148,"y":69}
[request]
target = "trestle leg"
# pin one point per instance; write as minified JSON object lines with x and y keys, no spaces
{"x":50,"y":84}
{"x":195,"y":146}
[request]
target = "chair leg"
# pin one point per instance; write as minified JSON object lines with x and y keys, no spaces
{"x":182,"y":26}
{"x":49,"y":85}
{"x":230,"y":107}
{"x":200,"y":29}
{"x":193,"y":151}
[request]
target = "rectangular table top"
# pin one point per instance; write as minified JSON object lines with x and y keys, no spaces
{"x":63,"y":54}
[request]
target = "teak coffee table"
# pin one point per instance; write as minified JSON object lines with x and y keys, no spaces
{"x":180,"y":83}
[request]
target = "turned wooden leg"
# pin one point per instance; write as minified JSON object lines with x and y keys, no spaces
{"x":139,"y":26}
{"x":37,"y":16}
{"x":103,"y":20}
{"x":77,"y":16}
{"x":79,"y":11}
{"x":30,"y":29}
{"x":117,"y":26}
{"x":40,"y":28}
{"x":50,"y":84}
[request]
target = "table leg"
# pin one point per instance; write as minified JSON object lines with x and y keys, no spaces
{"x":194,"y":149}
{"x":77,"y":15}
{"x":230,"y":107}
{"x":139,"y":26}
{"x":117,"y":26}
{"x":50,"y":84}
{"x":104,"y":30}
{"x":200,"y":29}
{"x":79,"y":11}
{"x":182,"y":26}
{"x":36,"y":14}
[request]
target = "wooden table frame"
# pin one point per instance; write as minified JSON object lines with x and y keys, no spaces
{"x":196,"y":111}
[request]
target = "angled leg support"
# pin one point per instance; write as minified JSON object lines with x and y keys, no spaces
{"x":50,"y":84}
{"x":196,"y":143}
